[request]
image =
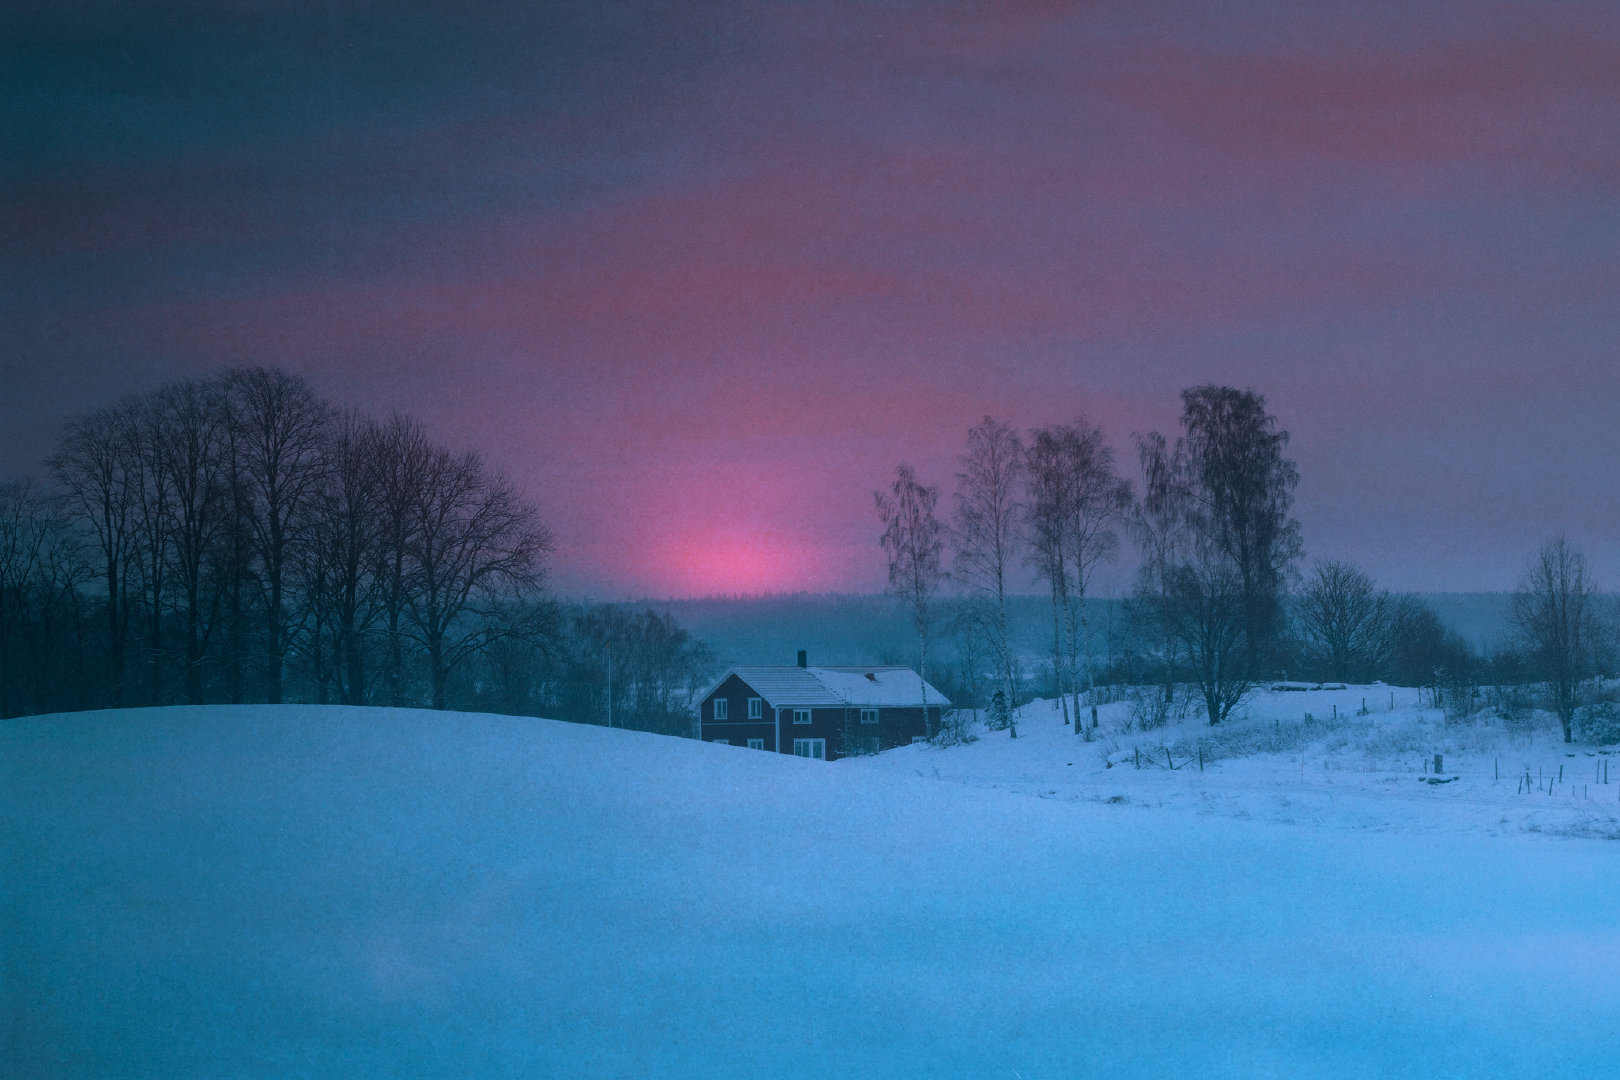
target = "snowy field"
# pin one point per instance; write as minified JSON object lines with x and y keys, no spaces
{"x":321,"y":892}
{"x":1355,"y":757}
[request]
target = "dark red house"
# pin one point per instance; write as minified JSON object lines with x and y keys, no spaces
{"x":824,"y":713}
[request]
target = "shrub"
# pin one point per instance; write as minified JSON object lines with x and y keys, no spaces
{"x":1599,"y":723}
{"x":955,"y":728}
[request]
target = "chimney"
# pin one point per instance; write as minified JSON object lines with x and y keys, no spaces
{"x":803,"y":660}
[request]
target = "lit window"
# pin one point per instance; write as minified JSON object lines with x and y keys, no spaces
{"x":756,"y":744}
{"x":801,"y":716}
{"x":756,"y":708}
{"x":868,"y":716}
{"x":720,"y":704}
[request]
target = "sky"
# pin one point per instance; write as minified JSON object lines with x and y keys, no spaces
{"x":699,"y":276}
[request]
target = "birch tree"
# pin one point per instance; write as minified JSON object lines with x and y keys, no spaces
{"x":985,"y":535}
{"x":1076,"y":505}
{"x":911,"y":540}
{"x":1555,"y":616}
{"x":1189,"y":583}
{"x":1243,"y":486}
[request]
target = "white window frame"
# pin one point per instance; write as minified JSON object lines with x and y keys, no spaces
{"x":814,"y":749}
{"x":801,"y":712}
{"x":721,"y":708}
{"x":869,"y":716}
{"x":721,"y":742}
{"x":756,"y":744}
{"x":756,"y":708}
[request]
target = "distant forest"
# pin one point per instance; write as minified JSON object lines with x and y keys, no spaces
{"x":837,"y":628}
{"x":862,"y":629}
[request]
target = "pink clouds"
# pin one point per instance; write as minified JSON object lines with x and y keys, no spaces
{"x":701,"y":285}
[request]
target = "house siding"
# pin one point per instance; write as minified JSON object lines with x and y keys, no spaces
{"x":737,"y":728}
{"x":896,"y":726}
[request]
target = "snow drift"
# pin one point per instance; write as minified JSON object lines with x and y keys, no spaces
{"x":298,"y":891}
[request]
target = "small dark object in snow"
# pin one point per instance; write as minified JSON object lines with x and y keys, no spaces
{"x":1116,"y":798}
{"x":1435,"y":780}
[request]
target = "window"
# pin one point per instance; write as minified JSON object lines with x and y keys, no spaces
{"x":867,"y":745}
{"x":721,"y":742}
{"x":720,"y":704}
{"x":868,"y":716}
{"x":756,"y":708}
{"x":801,"y":716}
{"x":810,"y":748}
{"x":756,"y":744}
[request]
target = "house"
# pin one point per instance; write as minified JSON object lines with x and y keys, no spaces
{"x":824,"y":713}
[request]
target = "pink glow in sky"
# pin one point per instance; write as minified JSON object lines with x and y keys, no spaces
{"x":699,"y":276}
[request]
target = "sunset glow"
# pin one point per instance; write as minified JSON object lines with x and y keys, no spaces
{"x":699,"y":278}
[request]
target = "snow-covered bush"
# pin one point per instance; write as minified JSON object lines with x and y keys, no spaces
{"x":999,"y":715}
{"x":1151,"y":707}
{"x":955,"y":728}
{"x":1598,"y":723}
{"x":1513,"y":703}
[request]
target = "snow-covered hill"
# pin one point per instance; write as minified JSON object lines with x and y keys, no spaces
{"x":322,"y":892}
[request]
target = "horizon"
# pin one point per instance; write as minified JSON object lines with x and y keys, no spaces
{"x":698,"y":280}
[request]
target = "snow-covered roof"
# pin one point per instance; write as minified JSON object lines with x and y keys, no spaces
{"x":833,"y":687}
{"x":878,"y":686}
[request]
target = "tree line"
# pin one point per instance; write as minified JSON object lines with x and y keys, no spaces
{"x":240,"y":539}
{"x":1219,"y":603}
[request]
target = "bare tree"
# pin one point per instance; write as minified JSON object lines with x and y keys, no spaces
{"x":985,"y":537}
{"x":1242,"y":488}
{"x":474,"y":544}
{"x":43,"y":622}
{"x":97,"y":478}
{"x":339,"y":561}
{"x":21,"y":512}
{"x":1044,"y":511}
{"x":1206,"y":614}
{"x":1077,"y":504}
{"x":1422,"y":650}
{"x":1555,"y":616}
{"x":191,"y":417}
{"x":1158,"y":521}
{"x":911,"y":539}
{"x":280,"y":424}
{"x":1344,"y":621}
{"x":148,"y":449}
{"x":1189,"y":585}
{"x":400,"y":454}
